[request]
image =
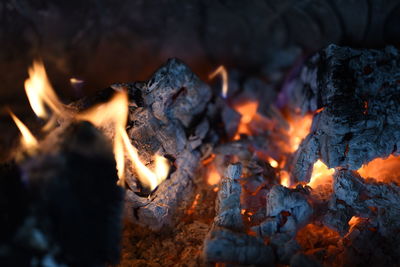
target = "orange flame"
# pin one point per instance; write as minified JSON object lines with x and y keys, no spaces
{"x":285,"y":178}
{"x":320,"y":174}
{"x":247,"y":110}
{"x":28,"y":141}
{"x":224,"y":74}
{"x":354,"y":221}
{"x":115,"y":112}
{"x":382,"y":170}
{"x":40,"y":92}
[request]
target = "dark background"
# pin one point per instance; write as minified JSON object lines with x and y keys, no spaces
{"x":108,"y":41}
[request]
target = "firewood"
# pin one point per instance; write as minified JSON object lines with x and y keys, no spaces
{"x":357,"y":91}
{"x":169,"y":115}
{"x":227,"y":241}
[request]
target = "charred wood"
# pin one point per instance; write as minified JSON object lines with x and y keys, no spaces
{"x":357,"y":92}
{"x":227,"y":241}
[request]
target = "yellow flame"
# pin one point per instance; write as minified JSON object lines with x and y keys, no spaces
{"x":40,"y":92}
{"x":224,"y":74}
{"x":28,"y":141}
{"x":320,"y":174}
{"x":115,"y":112}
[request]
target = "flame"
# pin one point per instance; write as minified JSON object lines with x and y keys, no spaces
{"x":354,"y":221}
{"x":273,"y":163}
{"x":75,"y":81}
{"x":285,"y":178}
{"x":224,"y":74}
{"x":247,"y":110}
{"x":382,"y":170}
{"x":320,"y":174}
{"x":40,"y":92}
{"x":28,"y":141}
{"x":115,"y":112}
{"x":299,"y":128}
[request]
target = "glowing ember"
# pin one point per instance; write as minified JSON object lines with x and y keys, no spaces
{"x":224,"y":74}
{"x":382,"y":170}
{"x":194,"y":204}
{"x":320,"y":174}
{"x":40,"y":92}
{"x":28,"y":141}
{"x":247,"y":110}
{"x":354,"y":221}
{"x":213,"y":176}
{"x":299,"y":129}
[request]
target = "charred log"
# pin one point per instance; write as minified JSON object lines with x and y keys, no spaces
{"x":227,"y":241}
{"x":169,"y":115}
{"x":357,"y":92}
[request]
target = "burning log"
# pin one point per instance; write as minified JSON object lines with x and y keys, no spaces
{"x":169,"y":117}
{"x":356,"y":93}
{"x":226,"y":241}
{"x":170,"y":122}
{"x":67,"y":209}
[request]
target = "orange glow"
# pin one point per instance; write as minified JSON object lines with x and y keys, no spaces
{"x":312,"y":234}
{"x":247,"y":110}
{"x":299,"y":128}
{"x":40,"y":92}
{"x":28,"y":141}
{"x":320,"y":174}
{"x":75,"y":81}
{"x":285,"y":178}
{"x":273,"y":163}
{"x":354,"y":221}
{"x":194,"y":204}
{"x":213,"y":176}
{"x":382,"y":170}
{"x":224,"y":74}
{"x":115,"y":112}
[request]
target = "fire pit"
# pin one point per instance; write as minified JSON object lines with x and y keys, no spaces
{"x":293,"y":162}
